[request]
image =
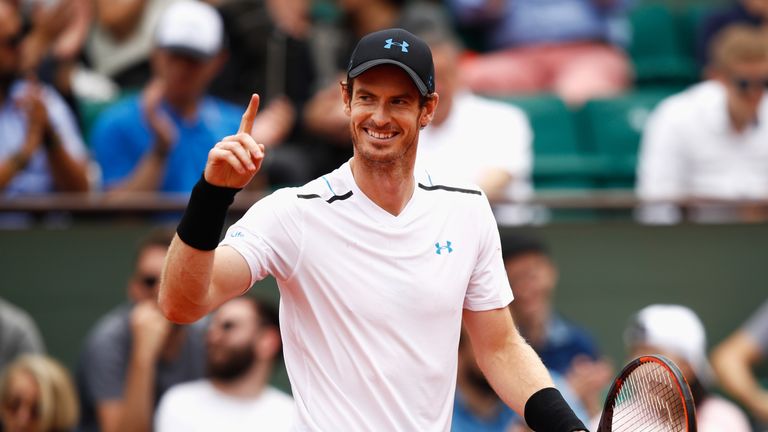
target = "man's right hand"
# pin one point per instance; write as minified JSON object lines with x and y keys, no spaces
{"x":236,"y":159}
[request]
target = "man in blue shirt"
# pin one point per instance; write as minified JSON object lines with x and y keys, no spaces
{"x":159,"y":140}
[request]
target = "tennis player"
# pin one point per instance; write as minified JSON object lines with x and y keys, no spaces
{"x":377,"y":264}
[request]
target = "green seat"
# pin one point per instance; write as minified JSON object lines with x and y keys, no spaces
{"x":656,"y":49}
{"x":558,"y":159}
{"x":611,"y":130}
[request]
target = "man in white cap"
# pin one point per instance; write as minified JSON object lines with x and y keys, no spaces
{"x":159,"y":140}
{"x":676,"y":332}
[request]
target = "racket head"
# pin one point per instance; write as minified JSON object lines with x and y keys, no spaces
{"x":650,"y":393}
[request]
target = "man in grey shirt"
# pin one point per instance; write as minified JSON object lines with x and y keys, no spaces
{"x":133,"y":354}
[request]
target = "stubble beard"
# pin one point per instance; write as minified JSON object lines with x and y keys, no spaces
{"x":401,"y":162}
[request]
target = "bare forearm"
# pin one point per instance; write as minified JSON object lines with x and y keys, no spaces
{"x":494,"y":182}
{"x":516,"y":372}
{"x":184,"y":290}
{"x":733,"y":363}
{"x":147,"y":177}
{"x":69,"y":175}
{"x":139,"y":397}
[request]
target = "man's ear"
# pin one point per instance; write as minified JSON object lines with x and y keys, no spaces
{"x":346,"y":97}
{"x":428,"y":113}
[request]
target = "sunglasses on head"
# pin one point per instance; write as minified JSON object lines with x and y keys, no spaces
{"x":744,"y":84}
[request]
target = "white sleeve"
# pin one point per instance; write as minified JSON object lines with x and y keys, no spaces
{"x":661,"y":161}
{"x":269,"y":236}
{"x":488,"y":286}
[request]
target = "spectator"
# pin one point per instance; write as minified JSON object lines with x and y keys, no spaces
{"x":159,"y":140}
{"x":41,"y":150}
{"x":708,"y":143}
{"x":477,"y":408}
{"x":54,"y":44}
{"x":499,"y":134}
{"x":749,"y":12}
{"x":676,"y":332}
{"x":736,"y":357}
{"x":243,"y":343}
{"x":133,"y":354}
{"x":569,"y":47}
{"x":564,"y":347}
{"x":18,"y":334}
{"x":120,"y":43}
{"x":269,"y":54}
{"x":37,"y":395}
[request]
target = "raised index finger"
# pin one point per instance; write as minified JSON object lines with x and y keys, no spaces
{"x":246,"y":124}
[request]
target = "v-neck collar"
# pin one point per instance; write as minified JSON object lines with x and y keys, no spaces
{"x":374,"y":211}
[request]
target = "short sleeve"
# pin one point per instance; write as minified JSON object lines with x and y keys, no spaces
{"x":269,"y":236}
{"x":488,"y":286}
{"x":757,"y":327}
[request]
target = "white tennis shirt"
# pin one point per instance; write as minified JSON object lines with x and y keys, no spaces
{"x":371,"y":303}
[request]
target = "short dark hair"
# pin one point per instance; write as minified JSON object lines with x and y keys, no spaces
{"x":517,"y":244}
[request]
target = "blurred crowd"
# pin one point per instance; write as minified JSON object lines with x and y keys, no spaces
{"x":116,"y":98}
{"x":137,"y":371}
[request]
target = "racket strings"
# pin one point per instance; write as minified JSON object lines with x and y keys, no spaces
{"x":649,"y":400}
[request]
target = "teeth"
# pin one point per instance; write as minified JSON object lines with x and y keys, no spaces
{"x":381,"y":135}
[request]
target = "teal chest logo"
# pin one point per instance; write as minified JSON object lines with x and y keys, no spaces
{"x":446,"y":248}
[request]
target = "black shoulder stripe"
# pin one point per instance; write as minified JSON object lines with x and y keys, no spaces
{"x":449,"y":189}
{"x":330,"y":200}
{"x":339,"y":197}
{"x":310,"y":196}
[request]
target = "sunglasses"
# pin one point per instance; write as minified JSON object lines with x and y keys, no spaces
{"x":744,"y":84}
{"x":149,"y":281}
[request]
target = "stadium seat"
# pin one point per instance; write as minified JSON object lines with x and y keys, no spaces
{"x":611,"y":130}
{"x":657,"y":52}
{"x":559,"y":161}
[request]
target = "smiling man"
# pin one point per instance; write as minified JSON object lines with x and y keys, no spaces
{"x":377,"y":265}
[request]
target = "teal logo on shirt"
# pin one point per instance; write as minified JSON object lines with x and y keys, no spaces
{"x":439,"y":249}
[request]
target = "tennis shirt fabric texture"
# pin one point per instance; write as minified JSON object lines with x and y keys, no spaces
{"x":371,"y":303}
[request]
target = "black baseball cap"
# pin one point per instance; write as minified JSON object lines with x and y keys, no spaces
{"x":398,"y":47}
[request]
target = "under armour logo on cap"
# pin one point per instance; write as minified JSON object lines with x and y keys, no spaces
{"x":403,"y":46}
{"x":414,"y":56}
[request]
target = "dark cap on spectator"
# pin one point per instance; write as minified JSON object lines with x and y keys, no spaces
{"x":398,"y":47}
{"x":192,"y":28}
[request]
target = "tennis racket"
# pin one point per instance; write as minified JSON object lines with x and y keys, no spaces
{"x":650,"y":394}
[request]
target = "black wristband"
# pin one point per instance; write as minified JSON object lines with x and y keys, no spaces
{"x":203,"y":220}
{"x":547,"y":411}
